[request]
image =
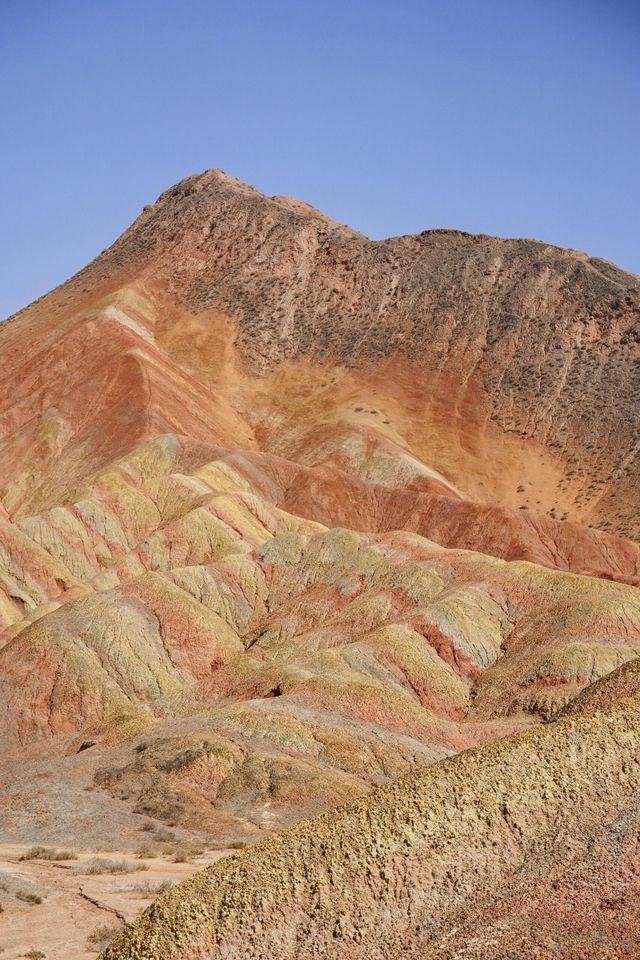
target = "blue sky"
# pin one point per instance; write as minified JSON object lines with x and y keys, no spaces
{"x":497,"y":116}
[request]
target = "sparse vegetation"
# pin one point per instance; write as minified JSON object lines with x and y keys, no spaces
{"x":101,"y":937}
{"x":164,"y":836}
{"x":100,"y":865}
{"x":103,"y":775}
{"x":185,"y":854}
{"x":146,"y":888}
{"x":146,"y":851}
{"x":27,"y":897}
{"x":46,"y":853}
{"x":34,"y":955}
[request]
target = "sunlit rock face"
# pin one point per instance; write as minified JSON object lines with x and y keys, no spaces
{"x":286,"y":514}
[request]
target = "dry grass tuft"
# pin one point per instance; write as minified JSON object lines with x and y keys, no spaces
{"x":46,"y":853}
{"x":145,"y":888}
{"x":99,"y":865}
{"x":146,"y":851}
{"x":164,"y":836}
{"x":101,"y":937}
{"x":28,"y":897}
{"x":186,"y":854}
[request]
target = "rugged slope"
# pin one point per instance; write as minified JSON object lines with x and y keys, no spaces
{"x":500,"y":364}
{"x":461,"y":859}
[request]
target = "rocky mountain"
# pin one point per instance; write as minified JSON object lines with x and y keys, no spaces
{"x":286,"y":514}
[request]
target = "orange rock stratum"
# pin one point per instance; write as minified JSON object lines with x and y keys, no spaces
{"x":326,"y":548}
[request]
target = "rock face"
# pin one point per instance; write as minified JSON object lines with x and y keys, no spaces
{"x":286,"y":514}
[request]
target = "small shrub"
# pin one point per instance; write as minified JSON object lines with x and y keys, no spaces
{"x":104,"y":775}
{"x":34,"y":955}
{"x":99,"y":865}
{"x":164,"y":836}
{"x":147,"y":888}
{"x":145,"y":851}
{"x":45,"y":853}
{"x":101,"y":938}
{"x":187,"y":853}
{"x":27,"y":897}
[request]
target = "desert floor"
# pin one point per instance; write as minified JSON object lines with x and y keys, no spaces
{"x":54,"y":910}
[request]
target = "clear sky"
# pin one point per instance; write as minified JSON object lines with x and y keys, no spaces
{"x":505,"y":117}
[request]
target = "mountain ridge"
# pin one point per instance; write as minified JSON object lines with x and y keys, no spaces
{"x":602,"y":465}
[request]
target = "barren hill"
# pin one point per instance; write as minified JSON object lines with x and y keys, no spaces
{"x":286,"y":513}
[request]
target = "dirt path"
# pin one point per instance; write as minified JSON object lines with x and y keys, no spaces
{"x":73,"y":904}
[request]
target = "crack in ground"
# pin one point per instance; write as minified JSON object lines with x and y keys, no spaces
{"x":101,"y":906}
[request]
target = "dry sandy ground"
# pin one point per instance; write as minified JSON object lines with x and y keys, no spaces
{"x":74,"y":905}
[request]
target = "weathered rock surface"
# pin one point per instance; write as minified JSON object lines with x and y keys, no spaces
{"x":461,"y":859}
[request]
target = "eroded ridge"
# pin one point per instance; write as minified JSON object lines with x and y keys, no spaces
{"x":409,"y":869}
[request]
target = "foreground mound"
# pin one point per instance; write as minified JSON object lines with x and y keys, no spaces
{"x":535,"y":836}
